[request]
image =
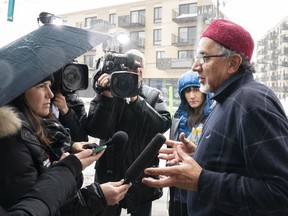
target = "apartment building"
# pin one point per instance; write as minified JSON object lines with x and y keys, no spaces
{"x":272,"y":59}
{"x":165,"y":31}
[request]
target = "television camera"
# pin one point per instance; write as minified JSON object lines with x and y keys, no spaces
{"x":71,"y":78}
{"x":123,"y":82}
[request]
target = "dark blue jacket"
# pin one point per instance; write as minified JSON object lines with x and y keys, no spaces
{"x":243,"y":151}
{"x":179,"y":122}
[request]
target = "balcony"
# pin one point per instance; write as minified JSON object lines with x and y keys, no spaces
{"x":284,"y":51}
{"x":284,"y":63}
{"x":101,"y":25}
{"x":272,"y":56}
{"x":274,"y":77}
{"x":183,"y":18}
{"x":285,"y":76}
{"x":262,"y":42}
{"x":263,"y":69}
{"x":273,"y":67}
{"x":272,"y":46}
{"x":284,"y":26}
{"x":179,"y":41}
{"x":127,"y":22}
{"x":136,"y":43}
{"x":264,"y":78}
{"x":272,"y":35}
{"x":283,"y":39}
{"x":261,"y":61}
{"x":170,"y":63}
{"x":262,"y":51}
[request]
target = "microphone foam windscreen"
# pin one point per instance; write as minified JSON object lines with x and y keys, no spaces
{"x":145,"y":158}
{"x":120,"y":138}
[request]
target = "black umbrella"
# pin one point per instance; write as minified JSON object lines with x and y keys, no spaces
{"x":33,"y":57}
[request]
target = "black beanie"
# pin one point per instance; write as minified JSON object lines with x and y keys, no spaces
{"x":50,"y":77}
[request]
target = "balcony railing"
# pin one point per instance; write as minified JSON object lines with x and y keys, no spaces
{"x":284,"y":51}
{"x":272,"y":46}
{"x":283,"y":39}
{"x":183,"y":18}
{"x":136,"y":43}
{"x":179,"y":41}
{"x":170,"y":63}
{"x":273,"y":67}
{"x":272,"y":35}
{"x":284,"y":63}
{"x":284,"y":26}
{"x":127,"y":22}
{"x":263,"y":51}
{"x":262,"y":42}
{"x":101,"y":25}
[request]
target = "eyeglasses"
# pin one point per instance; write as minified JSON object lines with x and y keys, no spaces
{"x":201,"y":57}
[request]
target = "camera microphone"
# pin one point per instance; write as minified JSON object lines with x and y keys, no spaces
{"x":144,"y":159}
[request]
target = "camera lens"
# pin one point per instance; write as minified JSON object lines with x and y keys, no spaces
{"x":124,"y":84}
{"x":75,"y":77}
{"x":72,"y":77}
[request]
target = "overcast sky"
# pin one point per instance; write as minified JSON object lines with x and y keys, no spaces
{"x":257,"y":16}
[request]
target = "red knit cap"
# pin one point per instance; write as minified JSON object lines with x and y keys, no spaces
{"x":231,"y":36}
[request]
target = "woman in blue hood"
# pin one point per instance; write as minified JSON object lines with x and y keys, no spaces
{"x":192,"y":112}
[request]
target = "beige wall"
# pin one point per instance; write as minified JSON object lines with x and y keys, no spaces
{"x":168,"y":27}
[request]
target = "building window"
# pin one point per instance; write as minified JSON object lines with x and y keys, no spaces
{"x":157,"y":37}
{"x":187,"y":34}
{"x":90,"y":21}
{"x":185,"y":54}
{"x":158,"y":15}
{"x":112,"y":19}
{"x":89,"y":60}
{"x":138,"y":16}
{"x":137,"y":38}
{"x":188,"y":9}
{"x":160,"y":55}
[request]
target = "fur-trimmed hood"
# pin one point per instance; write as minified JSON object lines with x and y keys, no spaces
{"x":10,"y":123}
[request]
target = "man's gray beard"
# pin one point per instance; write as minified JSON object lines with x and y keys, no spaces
{"x":205,"y":88}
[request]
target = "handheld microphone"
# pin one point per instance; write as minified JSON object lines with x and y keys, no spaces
{"x":120,"y":137}
{"x":144,"y":159}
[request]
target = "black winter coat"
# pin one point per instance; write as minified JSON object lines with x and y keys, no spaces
{"x":43,"y":199}
{"x":23,"y":160}
{"x":141,"y":120}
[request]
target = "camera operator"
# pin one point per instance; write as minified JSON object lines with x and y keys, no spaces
{"x":141,"y":116}
{"x":67,"y":106}
{"x":72,"y":114}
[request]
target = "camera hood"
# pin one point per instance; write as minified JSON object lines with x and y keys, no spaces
{"x":124,"y":84}
{"x":71,"y":78}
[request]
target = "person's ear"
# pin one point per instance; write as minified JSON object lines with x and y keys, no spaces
{"x":140,"y":71}
{"x":234,"y":63}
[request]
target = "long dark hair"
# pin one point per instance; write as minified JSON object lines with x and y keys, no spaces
{"x":194,"y":118}
{"x":34,"y":121}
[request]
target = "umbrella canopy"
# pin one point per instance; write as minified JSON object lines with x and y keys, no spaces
{"x":33,"y":57}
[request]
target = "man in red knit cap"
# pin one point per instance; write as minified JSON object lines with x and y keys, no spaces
{"x":240,"y":164}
